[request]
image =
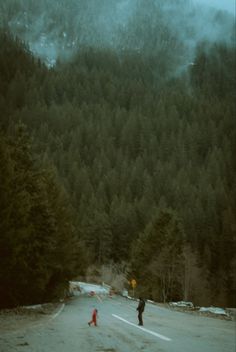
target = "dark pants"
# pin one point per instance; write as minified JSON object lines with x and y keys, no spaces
{"x":140,"y":318}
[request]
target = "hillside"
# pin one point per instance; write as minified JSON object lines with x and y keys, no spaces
{"x":141,"y":134}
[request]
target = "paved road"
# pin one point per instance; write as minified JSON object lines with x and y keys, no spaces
{"x":117,"y":331}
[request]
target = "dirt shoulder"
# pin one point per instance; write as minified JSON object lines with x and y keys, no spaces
{"x":23,"y":317}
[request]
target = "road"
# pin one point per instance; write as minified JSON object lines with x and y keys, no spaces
{"x":164,"y":330}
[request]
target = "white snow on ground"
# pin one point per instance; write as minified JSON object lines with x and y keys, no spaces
{"x":125,"y":293}
{"x":35,"y":306}
{"x":182,"y":304}
{"x":214,"y":310}
{"x":98,"y":289}
{"x":88,"y":288}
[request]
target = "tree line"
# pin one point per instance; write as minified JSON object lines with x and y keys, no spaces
{"x":144,"y":171}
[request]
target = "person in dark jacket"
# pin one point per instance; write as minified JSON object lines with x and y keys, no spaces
{"x":140,"y":310}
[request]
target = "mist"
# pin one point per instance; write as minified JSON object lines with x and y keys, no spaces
{"x":58,"y":30}
{"x":227,"y":5}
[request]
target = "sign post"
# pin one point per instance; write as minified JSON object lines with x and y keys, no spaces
{"x":133,"y":284}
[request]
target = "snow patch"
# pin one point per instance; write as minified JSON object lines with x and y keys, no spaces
{"x":214,"y":310}
{"x":182,"y":304}
{"x":77,"y":288}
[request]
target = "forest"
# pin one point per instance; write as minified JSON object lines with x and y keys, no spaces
{"x":120,"y":154}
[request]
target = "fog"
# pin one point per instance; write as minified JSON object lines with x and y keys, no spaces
{"x":227,"y":5}
{"x":57,"y":30}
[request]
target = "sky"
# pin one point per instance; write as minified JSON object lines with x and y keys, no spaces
{"x":228,"y":5}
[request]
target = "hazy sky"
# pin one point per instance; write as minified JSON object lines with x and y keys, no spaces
{"x":228,"y":5}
